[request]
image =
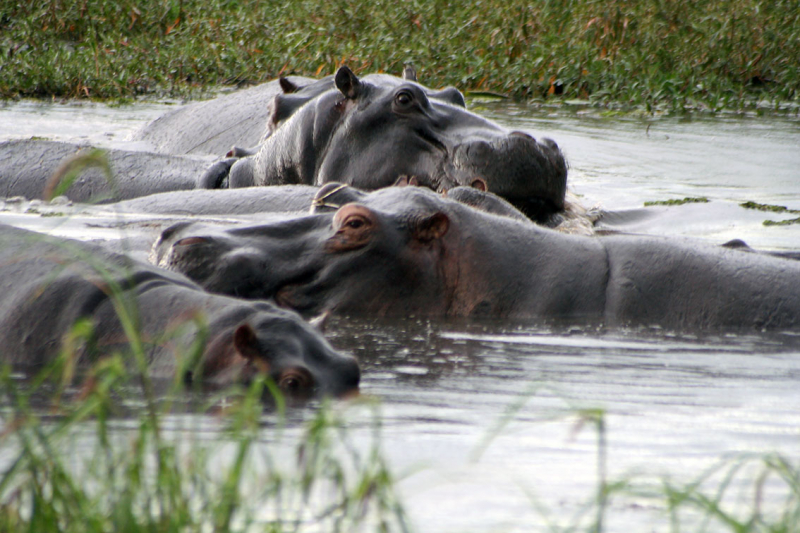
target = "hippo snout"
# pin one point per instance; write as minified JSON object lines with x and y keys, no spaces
{"x":529,"y":173}
{"x":350,"y":374}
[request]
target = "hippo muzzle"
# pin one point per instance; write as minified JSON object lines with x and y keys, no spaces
{"x":530,"y":174}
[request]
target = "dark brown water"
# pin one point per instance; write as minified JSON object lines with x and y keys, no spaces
{"x":482,"y":420}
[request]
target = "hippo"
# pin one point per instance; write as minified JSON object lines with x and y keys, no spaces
{"x":212,"y":126}
{"x":245,"y":118}
{"x":49,"y":284}
{"x":407,"y":251}
{"x":368,"y":132}
{"x":28,"y":167}
{"x":284,"y":200}
{"x":365,"y":132}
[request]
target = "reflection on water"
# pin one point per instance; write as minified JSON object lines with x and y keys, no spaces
{"x":674,"y":404}
{"x":481,"y":420}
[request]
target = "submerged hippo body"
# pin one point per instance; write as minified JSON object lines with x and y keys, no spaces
{"x":371,"y":131}
{"x":365,"y":132}
{"x":409,"y":251}
{"x":49,"y":284}
{"x":251,"y":200}
{"x":27,"y":168}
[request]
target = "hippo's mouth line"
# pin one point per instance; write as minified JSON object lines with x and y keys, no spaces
{"x":287,"y":295}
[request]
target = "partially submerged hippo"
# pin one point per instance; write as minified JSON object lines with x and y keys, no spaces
{"x":32,"y":168}
{"x":409,"y":251}
{"x":370,"y":131}
{"x":365,"y":132}
{"x":49,"y":284}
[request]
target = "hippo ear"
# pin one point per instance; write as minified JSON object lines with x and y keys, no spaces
{"x":246,"y":342}
{"x":480,"y":184}
{"x":282,"y":107}
{"x":287,"y":87}
{"x":405,"y":181}
{"x":409,"y":73}
{"x":347,"y":83}
{"x":431,"y":228}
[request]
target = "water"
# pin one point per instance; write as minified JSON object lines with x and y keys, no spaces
{"x":674,"y":405}
{"x":482,"y":421}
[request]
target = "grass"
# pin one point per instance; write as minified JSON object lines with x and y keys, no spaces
{"x":111,"y":449}
{"x":76,"y":460}
{"x":80,"y":467}
{"x":652,"y":55}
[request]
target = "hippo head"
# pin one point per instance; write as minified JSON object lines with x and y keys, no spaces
{"x":279,"y":344}
{"x":368,"y":132}
{"x":399,"y":251}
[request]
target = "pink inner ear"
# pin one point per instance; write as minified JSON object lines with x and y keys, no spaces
{"x":189,"y":241}
{"x":480,"y":184}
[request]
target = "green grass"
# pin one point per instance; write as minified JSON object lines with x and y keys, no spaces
{"x":76,"y":461}
{"x":82,"y":466}
{"x":652,"y":54}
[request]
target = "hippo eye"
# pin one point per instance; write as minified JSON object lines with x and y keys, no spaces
{"x":295,"y":380}
{"x":355,"y":222}
{"x":404,"y":98}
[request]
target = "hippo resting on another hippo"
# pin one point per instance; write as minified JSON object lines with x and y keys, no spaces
{"x":365,"y":132}
{"x":49,"y":284}
{"x":405,"y":251}
{"x":369,"y":132}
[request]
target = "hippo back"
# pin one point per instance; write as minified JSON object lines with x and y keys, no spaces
{"x":214,"y":126}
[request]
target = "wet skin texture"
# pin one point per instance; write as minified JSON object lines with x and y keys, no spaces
{"x":27,"y":168}
{"x":404,"y":251}
{"x":48,"y":284}
{"x":369,"y":132}
{"x":365,"y":132}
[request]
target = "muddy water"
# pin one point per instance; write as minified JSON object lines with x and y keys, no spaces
{"x":482,"y":420}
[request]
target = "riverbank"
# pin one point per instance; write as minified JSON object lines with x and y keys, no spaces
{"x":648,"y":55}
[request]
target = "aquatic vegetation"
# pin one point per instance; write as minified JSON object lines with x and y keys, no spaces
{"x":782,"y":222}
{"x":770,"y":208}
{"x":648,"y":55}
{"x":687,"y":200}
{"x":774,"y":209}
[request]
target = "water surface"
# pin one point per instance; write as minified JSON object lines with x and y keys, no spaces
{"x":482,"y":420}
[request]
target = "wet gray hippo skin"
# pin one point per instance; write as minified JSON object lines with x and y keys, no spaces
{"x":211,"y":127}
{"x":368,"y":132}
{"x":27,"y":166}
{"x":286,"y":199}
{"x":48,"y":284}
{"x":251,"y":200}
{"x":280,"y":199}
{"x":409,"y":251}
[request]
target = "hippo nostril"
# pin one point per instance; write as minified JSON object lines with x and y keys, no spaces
{"x":522,"y":134}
